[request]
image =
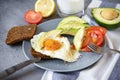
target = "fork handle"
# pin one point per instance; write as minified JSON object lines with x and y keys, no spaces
{"x":115,"y":50}
{"x":17,"y":67}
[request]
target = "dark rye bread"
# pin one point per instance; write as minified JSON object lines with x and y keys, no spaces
{"x":37,"y":55}
{"x":20,"y":33}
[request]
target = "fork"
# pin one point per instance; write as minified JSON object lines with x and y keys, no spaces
{"x":98,"y":49}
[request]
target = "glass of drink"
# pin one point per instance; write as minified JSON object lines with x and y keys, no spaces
{"x":70,"y":7}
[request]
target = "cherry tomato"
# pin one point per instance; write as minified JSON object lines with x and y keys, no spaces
{"x":33,"y":17}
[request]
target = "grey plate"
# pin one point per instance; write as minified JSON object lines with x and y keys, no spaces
{"x":84,"y":61}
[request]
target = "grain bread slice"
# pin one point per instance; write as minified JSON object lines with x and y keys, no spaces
{"x":37,"y":55}
{"x":20,"y":33}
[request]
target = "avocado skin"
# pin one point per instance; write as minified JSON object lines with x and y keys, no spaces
{"x":107,"y":26}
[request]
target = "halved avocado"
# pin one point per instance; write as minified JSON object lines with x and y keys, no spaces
{"x":70,"y":25}
{"x":107,"y":17}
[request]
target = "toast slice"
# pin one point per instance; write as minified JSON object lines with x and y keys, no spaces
{"x":37,"y":55}
{"x":20,"y":33}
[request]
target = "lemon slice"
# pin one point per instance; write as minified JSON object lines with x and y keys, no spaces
{"x":45,"y":7}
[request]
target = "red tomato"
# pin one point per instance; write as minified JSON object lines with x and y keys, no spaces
{"x":86,"y":41}
{"x":102,"y":29}
{"x":73,"y":46}
{"x":86,"y":49}
{"x":95,"y":35}
{"x":33,"y":17}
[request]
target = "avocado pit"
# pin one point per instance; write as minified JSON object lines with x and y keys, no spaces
{"x":109,"y":14}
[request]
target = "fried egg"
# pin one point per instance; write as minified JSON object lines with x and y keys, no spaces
{"x":54,"y":46}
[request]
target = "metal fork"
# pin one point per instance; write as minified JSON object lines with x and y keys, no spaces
{"x":98,"y":49}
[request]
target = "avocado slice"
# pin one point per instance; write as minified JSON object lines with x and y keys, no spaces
{"x":52,"y":33}
{"x":70,"y":25}
{"x":71,"y":28}
{"x":72,"y":19}
{"x":78,"y":38}
{"x":107,"y":17}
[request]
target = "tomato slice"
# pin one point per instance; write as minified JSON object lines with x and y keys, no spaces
{"x":33,"y":17}
{"x":86,"y":41}
{"x":102,"y":29}
{"x":95,"y":35}
{"x":86,"y":49}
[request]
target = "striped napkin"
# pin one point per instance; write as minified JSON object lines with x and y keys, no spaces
{"x":102,"y":69}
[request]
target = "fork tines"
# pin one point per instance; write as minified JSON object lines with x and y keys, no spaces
{"x":92,"y":47}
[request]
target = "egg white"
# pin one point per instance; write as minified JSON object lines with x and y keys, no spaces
{"x":65,"y":52}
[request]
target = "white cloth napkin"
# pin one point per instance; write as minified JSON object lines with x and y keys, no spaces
{"x":102,"y":69}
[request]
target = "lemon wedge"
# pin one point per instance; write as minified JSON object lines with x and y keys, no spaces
{"x":45,"y":7}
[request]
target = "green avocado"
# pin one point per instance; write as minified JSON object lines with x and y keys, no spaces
{"x":70,"y":25}
{"x":78,"y":38}
{"x":52,"y":33}
{"x":72,"y":19}
{"x":107,"y":17}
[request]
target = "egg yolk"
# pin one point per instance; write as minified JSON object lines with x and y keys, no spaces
{"x":52,"y":45}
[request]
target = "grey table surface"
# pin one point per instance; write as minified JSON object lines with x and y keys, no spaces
{"x":12,"y":14}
